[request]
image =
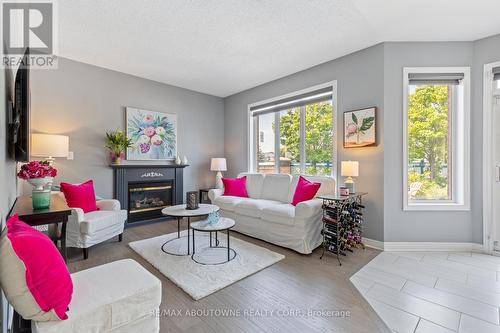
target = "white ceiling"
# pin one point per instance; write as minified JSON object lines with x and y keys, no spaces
{"x":221,"y":47}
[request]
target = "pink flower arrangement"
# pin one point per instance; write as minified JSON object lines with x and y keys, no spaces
{"x":149,"y":131}
{"x":36,"y":169}
{"x":352,"y":128}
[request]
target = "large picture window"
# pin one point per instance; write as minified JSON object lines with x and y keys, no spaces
{"x":436,"y":138}
{"x":295,"y":134}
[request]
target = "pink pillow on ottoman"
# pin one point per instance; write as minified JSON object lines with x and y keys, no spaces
{"x":305,"y":190}
{"x":80,"y":196}
{"x":236,"y":187}
{"x":33,"y":274}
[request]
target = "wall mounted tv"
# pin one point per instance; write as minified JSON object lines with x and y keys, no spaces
{"x":20,"y":119}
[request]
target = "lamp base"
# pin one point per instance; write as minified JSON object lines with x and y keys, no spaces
{"x":349,"y":183}
{"x":218,"y":180}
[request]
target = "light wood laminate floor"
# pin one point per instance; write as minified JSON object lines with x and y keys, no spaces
{"x":276,"y":299}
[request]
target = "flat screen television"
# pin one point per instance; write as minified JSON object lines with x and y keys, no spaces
{"x":20,"y":124}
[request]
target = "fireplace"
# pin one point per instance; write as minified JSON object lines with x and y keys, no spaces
{"x":144,"y":190}
{"x":147,"y":199}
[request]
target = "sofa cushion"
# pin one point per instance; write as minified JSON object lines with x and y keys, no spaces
{"x":327,"y":185}
{"x":80,"y":195}
{"x":235,"y":187}
{"x":282,"y":214}
{"x":33,"y":274}
{"x":101,"y":219}
{"x":276,"y":187}
{"x":309,"y":208}
{"x":305,"y":190}
{"x":226,"y":202}
{"x":254,"y":184}
{"x":109,"y":298}
{"x":253,"y":207}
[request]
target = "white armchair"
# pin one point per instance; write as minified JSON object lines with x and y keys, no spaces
{"x":87,"y":229}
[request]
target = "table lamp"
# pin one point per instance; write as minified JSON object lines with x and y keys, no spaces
{"x":49,"y":146}
{"x":349,"y":169}
{"x":218,"y":164}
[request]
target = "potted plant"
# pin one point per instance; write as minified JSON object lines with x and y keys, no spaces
{"x":117,"y":143}
{"x":40,"y":175}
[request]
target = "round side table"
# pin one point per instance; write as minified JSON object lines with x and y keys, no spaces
{"x":173,"y":246}
{"x":211,"y":255}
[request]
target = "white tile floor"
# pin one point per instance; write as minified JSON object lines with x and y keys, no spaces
{"x":433,"y":292}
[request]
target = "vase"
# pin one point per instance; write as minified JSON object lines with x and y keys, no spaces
{"x":40,"y":196}
{"x":116,"y":158}
{"x":185,"y":160}
{"x":178,"y":160}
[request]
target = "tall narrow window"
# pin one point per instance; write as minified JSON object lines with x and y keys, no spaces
{"x":436,"y":138}
{"x":295,"y":134}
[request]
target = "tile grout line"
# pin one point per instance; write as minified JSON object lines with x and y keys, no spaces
{"x":416,"y":326}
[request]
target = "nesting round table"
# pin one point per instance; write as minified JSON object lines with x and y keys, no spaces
{"x":211,"y":254}
{"x":177,"y":245}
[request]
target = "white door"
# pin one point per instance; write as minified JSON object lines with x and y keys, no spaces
{"x":496,"y":161}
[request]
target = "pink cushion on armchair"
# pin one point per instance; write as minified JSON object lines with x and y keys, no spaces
{"x":80,"y":196}
{"x":236,"y":187}
{"x":305,"y":190}
{"x":33,"y":273}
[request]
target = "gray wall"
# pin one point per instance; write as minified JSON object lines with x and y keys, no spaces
{"x":84,"y":101}
{"x":7,"y":172}
{"x":360,"y":84}
{"x":401,"y":226}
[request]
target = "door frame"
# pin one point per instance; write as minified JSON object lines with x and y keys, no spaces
{"x":488,"y":170}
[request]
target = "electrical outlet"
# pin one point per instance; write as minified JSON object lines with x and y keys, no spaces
{"x":71,"y":156}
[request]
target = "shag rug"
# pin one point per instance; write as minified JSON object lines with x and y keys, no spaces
{"x":202,"y":280}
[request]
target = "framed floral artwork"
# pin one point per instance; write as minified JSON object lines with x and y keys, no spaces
{"x":360,"y":128}
{"x":153,"y":135}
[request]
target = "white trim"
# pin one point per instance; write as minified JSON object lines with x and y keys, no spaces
{"x":488,"y":225}
{"x":251,"y":144}
{"x":373,"y":243}
{"x":431,"y":246}
{"x":461,"y":171}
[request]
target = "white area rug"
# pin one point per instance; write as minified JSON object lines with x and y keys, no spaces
{"x":202,"y":280}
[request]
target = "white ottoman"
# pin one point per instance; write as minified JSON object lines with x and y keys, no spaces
{"x":121,"y":296}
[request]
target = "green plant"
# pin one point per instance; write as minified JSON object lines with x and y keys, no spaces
{"x":117,"y":141}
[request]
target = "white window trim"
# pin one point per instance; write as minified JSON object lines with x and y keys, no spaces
{"x":252,"y":136}
{"x":461,"y":157}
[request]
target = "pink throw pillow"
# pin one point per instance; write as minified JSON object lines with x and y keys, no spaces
{"x":80,"y":196}
{"x":33,"y":273}
{"x":236,"y":187}
{"x":305,"y":190}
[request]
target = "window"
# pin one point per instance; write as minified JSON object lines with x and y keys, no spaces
{"x":294,"y":134}
{"x":436,"y":138}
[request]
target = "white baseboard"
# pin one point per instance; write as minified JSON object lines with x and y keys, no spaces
{"x":374,"y":244}
{"x":422,"y":246}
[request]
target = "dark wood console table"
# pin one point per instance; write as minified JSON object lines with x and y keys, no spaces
{"x":58,"y":212}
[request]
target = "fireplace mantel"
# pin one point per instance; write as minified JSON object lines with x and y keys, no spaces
{"x":125,"y":174}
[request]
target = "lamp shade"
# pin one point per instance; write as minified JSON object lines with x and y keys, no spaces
{"x":49,"y":145}
{"x":349,"y":168}
{"x":218,"y":164}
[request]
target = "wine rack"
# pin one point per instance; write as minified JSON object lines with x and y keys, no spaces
{"x":342,"y":224}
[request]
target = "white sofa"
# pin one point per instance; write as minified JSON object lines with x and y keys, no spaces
{"x":121,"y":296}
{"x":268,"y":214}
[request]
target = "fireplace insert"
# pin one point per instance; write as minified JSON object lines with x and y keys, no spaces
{"x":147,"y":199}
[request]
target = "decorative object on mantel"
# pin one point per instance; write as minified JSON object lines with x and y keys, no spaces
{"x":218,"y":164}
{"x":49,"y":146}
{"x":344,"y":191}
{"x":153,"y":135}
{"x":360,"y":128}
{"x":40,"y":175}
{"x":117,"y":143}
{"x":192,"y":200}
{"x":178,"y":160}
{"x":185,"y":160}
{"x":349,"y":169}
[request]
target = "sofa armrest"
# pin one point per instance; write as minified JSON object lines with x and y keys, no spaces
{"x":308,"y":208}
{"x":215,"y":193}
{"x":77,"y":215}
{"x":108,"y":204}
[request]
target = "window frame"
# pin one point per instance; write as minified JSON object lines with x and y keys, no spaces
{"x":252,"y":134}
{"x":460,"y":146}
